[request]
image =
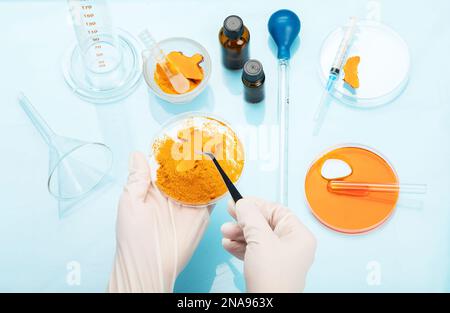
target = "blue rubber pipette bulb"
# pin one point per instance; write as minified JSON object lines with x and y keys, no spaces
{"x":284,"y":27}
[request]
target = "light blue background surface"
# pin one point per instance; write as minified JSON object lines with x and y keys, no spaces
{"x":412,"y":248}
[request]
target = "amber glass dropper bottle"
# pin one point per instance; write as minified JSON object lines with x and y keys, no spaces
{"x":253,"y":79}
{"x":234,"y":39}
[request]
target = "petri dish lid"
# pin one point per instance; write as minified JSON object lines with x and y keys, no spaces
{"x":383,"y":70}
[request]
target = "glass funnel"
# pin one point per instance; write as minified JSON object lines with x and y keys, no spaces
{"x":75,"y":167}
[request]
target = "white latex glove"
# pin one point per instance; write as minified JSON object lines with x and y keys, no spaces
{"x":276,"y":247}
{"x":155,"y":237}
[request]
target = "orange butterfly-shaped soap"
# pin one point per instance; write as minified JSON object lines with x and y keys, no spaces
{"x":351,"y":71}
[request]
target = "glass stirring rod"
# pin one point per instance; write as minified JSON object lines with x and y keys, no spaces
{"x":284,"y":27}
{"x":334,"y":73}
{"x":360,"y":188}
{"x":177,"y":80}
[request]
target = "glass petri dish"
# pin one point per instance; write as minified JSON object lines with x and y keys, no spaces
{"x":383,"y":70}
{"x":212,"y":187}
{"x":188,"y":47}
{"x":352,"y":214}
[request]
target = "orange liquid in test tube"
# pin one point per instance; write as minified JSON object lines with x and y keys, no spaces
{"x":350,"y":213}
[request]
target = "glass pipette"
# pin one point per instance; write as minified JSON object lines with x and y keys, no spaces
{"x":179,"y":83}
{"x":284,"y":27}
{"x":283,"y":107}
{"x":334,"y":73}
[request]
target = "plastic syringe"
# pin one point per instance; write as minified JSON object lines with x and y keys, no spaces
{"x":334,"y":73}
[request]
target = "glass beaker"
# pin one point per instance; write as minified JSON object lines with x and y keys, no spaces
{"x":104,"y":65}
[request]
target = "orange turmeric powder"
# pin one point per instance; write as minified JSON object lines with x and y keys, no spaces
{"x":177,"y":62}
{"x":351,"y":72}
{"x":192,"y":178}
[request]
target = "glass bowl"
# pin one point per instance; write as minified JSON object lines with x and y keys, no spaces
{"x":171,"y":128}
{"x":188,"y":47}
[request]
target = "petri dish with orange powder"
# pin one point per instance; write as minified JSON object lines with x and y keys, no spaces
{"x":352,"y":213}
{"x":383,"y":64}
{"x":183,"y":174}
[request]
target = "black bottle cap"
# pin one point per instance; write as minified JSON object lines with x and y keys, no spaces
{"x":233,"y":27}
{"x":253,"y":71}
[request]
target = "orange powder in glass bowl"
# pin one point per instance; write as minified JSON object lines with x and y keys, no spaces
{"x":177,"y":62}
{"x":188,"y":177}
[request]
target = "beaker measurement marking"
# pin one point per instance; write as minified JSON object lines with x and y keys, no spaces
{"x":92,"y":30}
{"x":88,"y":16}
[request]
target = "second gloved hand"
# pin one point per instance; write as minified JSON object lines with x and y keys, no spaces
{"x":276,"y":247}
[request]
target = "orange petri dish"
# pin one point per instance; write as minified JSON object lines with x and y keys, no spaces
{"x":352,"y":213}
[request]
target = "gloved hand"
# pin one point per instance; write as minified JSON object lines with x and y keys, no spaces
{"x":276,"y":247}
{"x":155,"y":237}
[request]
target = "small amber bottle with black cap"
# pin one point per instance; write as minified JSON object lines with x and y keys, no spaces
{"x":253,"y":79}
{"x":234,"y":38}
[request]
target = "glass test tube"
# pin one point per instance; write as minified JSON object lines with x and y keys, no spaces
{"x":98,"y":43}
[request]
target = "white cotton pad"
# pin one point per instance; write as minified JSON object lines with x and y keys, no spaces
{"x":335,"y":168}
